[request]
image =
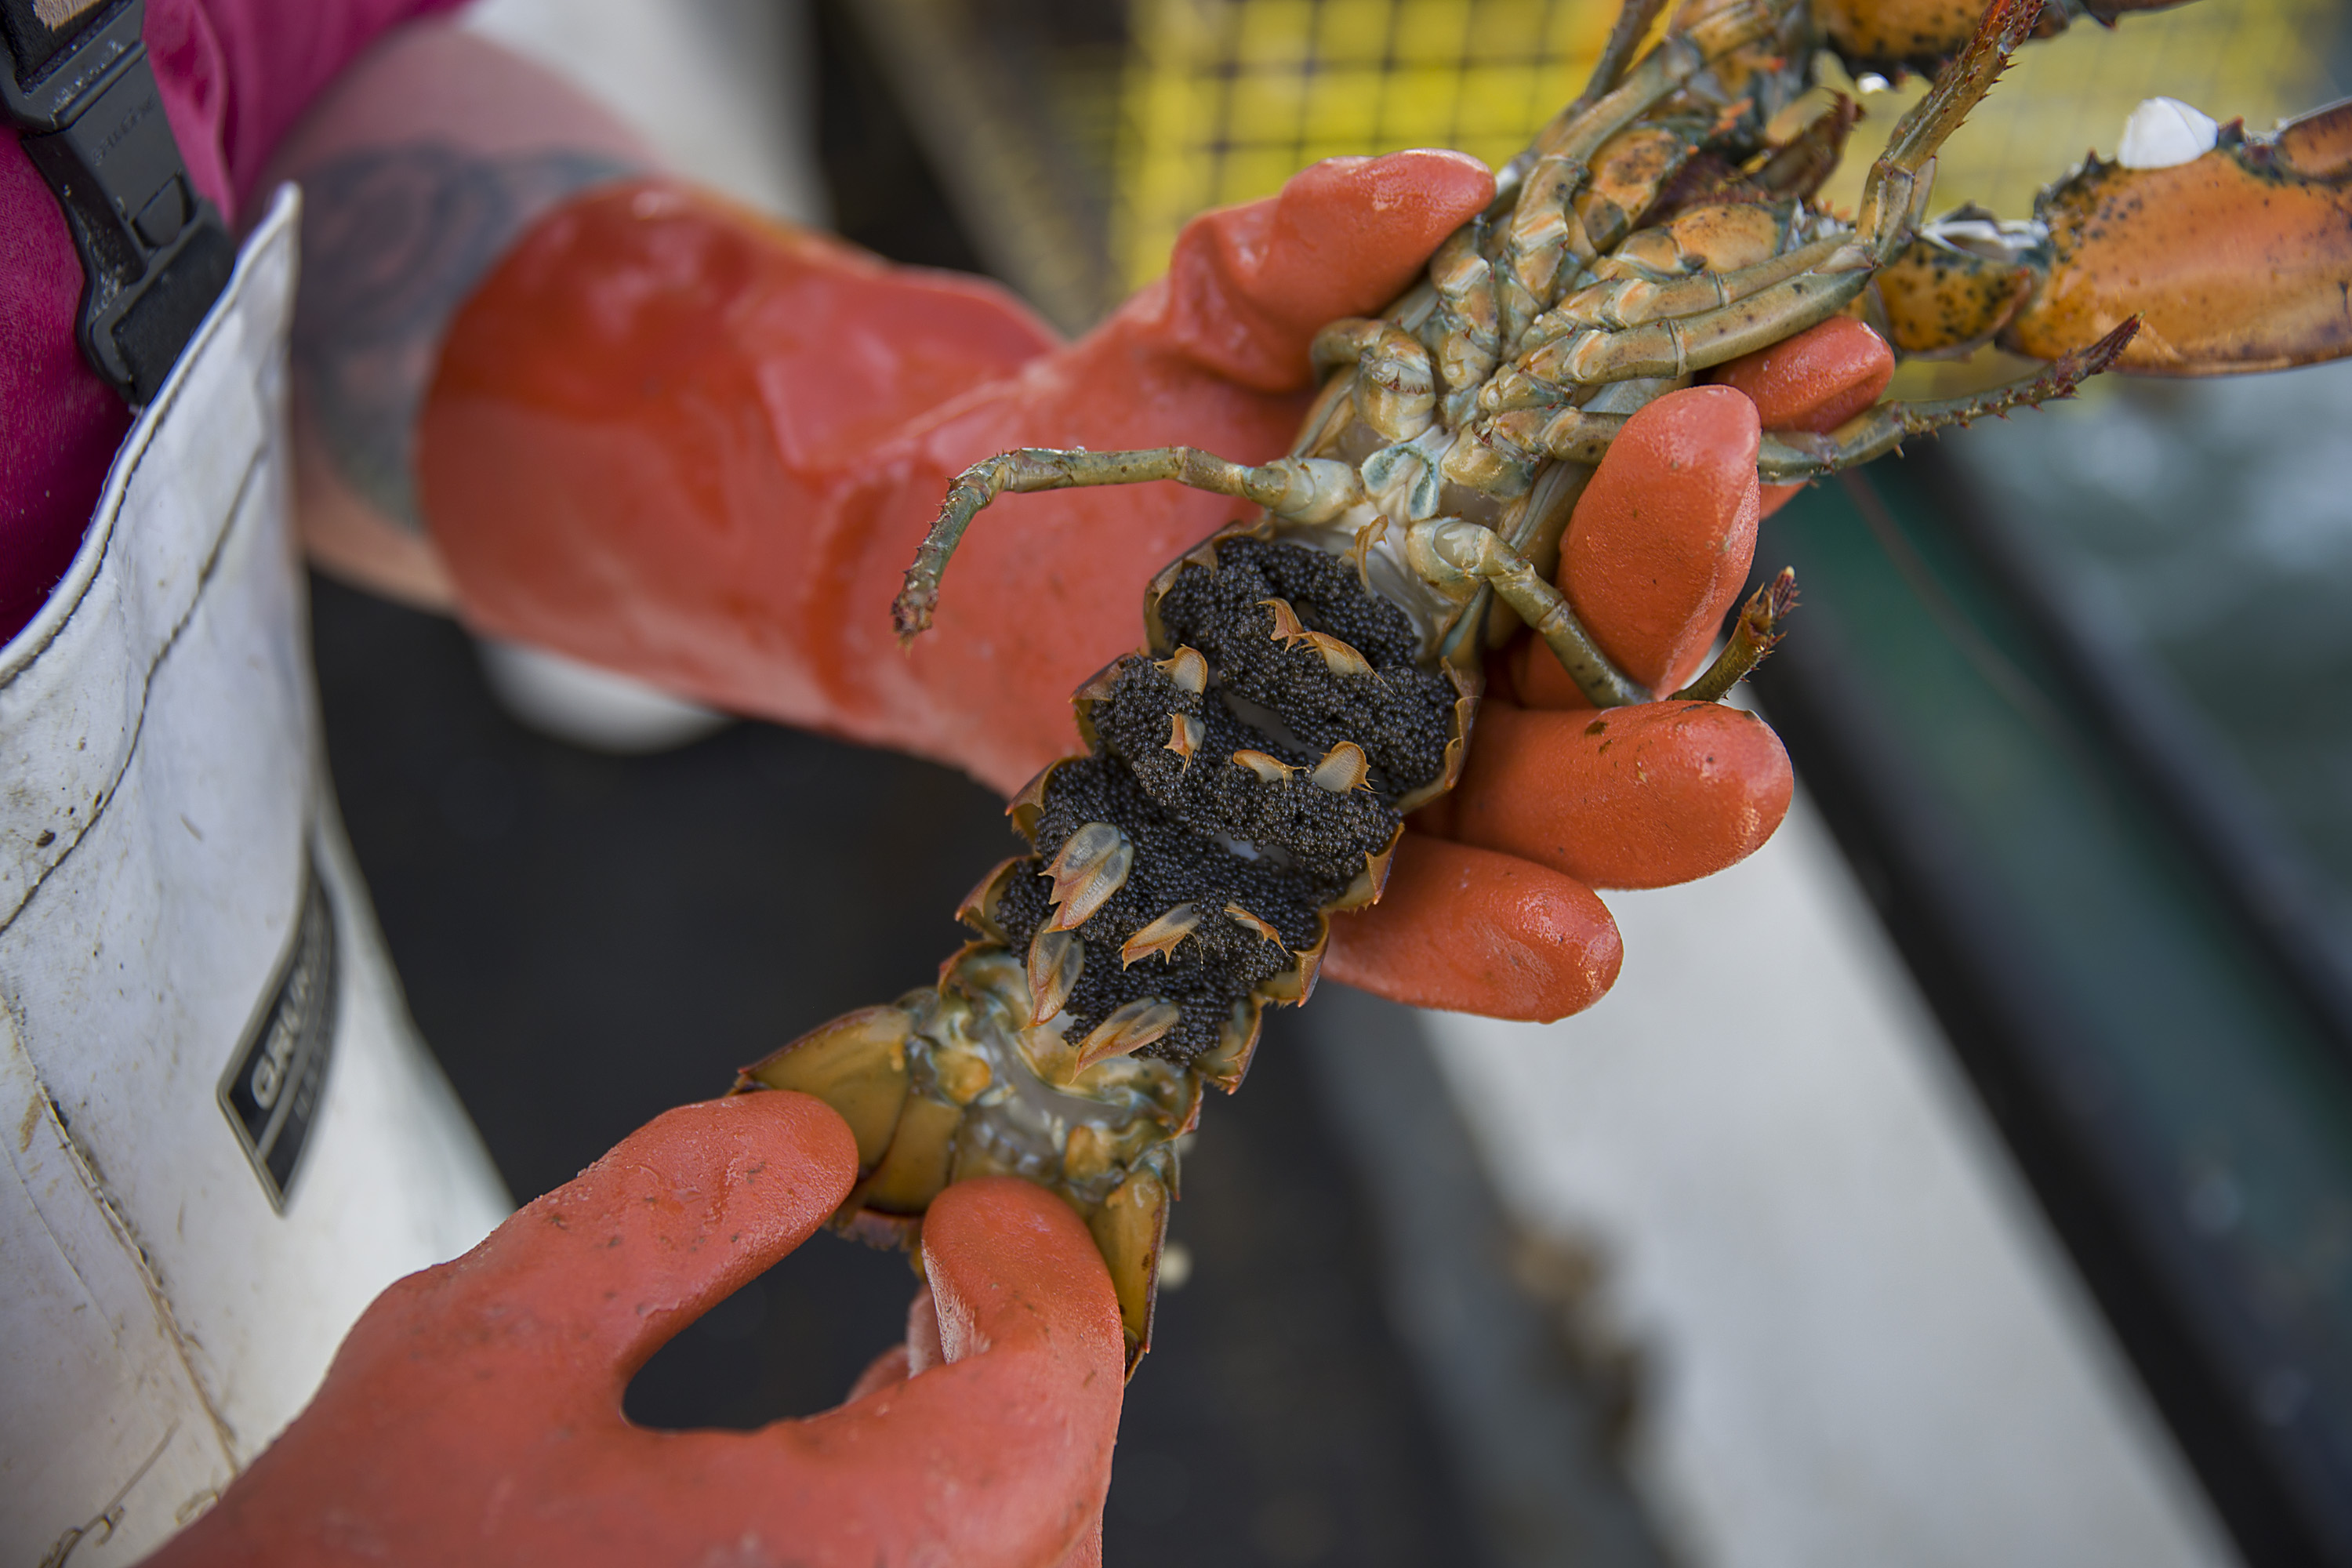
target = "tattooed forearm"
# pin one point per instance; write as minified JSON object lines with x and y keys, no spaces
{"x":393,"y":240}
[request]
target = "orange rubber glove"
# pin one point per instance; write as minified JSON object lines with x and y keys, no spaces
{"x":473,"y":1416}
{"x":671,"y":439}
{"x":1816,"y":380}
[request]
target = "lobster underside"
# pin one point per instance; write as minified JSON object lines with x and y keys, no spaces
{"x":1312,"y":675}
{"x":1246,"y":779}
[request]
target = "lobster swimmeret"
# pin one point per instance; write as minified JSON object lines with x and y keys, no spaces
{"x":1312,"y":675}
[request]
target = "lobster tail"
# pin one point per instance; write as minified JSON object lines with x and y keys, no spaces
{"x":1243,"y":779}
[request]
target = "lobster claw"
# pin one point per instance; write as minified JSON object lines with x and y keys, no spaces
{"x":2235,"y":253}
{"x":2238,"y":259}
{"x":1895,"y":36}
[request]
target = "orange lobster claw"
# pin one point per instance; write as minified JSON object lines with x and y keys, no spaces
{"x":2239,"y":259}
{"x":1920,"y":34}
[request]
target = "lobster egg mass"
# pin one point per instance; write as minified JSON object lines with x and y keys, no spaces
{"x":1250,"y":676}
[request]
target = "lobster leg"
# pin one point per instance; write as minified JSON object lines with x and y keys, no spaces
{"x":1452,"y":552}
{"x":1753,"y":636}
{"x":1637,"y":301}
{"x":1803,"y":164}
{"x":1634,"y":20}
{"x":1571,"y":434}
{"x":1396,"y":384}
{"x":1579,"y":130}
{"x":1679,"y":346}
{"x":1308,"y":489}
{"x":1897,"y":186}
{"x":1544,"y":230}
{"x":1466,"y":327}
{"x":1790,"y":457}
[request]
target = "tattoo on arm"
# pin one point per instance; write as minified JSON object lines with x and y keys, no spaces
{"x":393,"y":240}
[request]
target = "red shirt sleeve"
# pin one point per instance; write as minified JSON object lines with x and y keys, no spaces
{"x":235,"y":75}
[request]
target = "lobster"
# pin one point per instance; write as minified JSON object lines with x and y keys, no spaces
{"x":1312,"y":673}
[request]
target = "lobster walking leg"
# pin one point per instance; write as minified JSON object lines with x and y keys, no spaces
{"x":1466,"y":322}
{"x":1572,"y":435}
{"x":1451,"y":552}
{"x":1396,"y":384}
{"x":1310,"y":490}
{"x":1637,"y":301}
{"x":1793,"y":457}
{"x":1634,"y":22}
{"x":1753,"y":636}
{"x":1579,"y":130}
{"x":1544,"y":230}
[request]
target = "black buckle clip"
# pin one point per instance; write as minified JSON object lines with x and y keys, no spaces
{"x":155,"y":254}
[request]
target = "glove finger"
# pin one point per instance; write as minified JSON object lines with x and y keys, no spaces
{"x":1633,"y":797}
{"x":1472,"y":930}
{"x":1249,"y":287}
{"x":683,"y":1212}
{"x":1086,"y":1551}
{"x":1661,"y":541}
{"x":924,"y":1350}
{"x":1001,"y":1454}
{"x":1815,"y":381}
{"x":1013,"y":1270}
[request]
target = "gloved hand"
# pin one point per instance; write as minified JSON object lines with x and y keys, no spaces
{"x":671,"y":438}
{"x":474,"y":1414}
{"x":1488,"y":906}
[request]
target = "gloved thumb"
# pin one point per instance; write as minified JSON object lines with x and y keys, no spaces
{"x":1010,"y":1268}
{"x":1006,"y":1443}
{"x":1249,"y":287}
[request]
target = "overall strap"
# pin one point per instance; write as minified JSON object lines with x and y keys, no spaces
{"x":76,"y":82}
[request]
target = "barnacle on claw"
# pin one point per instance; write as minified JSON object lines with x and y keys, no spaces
{"x":1312,"y":673}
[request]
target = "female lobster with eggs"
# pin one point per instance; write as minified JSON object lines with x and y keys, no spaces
{"x":1312,"y":675}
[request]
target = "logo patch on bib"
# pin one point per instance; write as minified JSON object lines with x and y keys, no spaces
{"x":272,"y":1089}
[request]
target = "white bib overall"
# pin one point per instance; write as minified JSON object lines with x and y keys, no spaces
{"x":223,"y":1138}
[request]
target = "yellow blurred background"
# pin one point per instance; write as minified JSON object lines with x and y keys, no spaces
{"x":1219,"y":100}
